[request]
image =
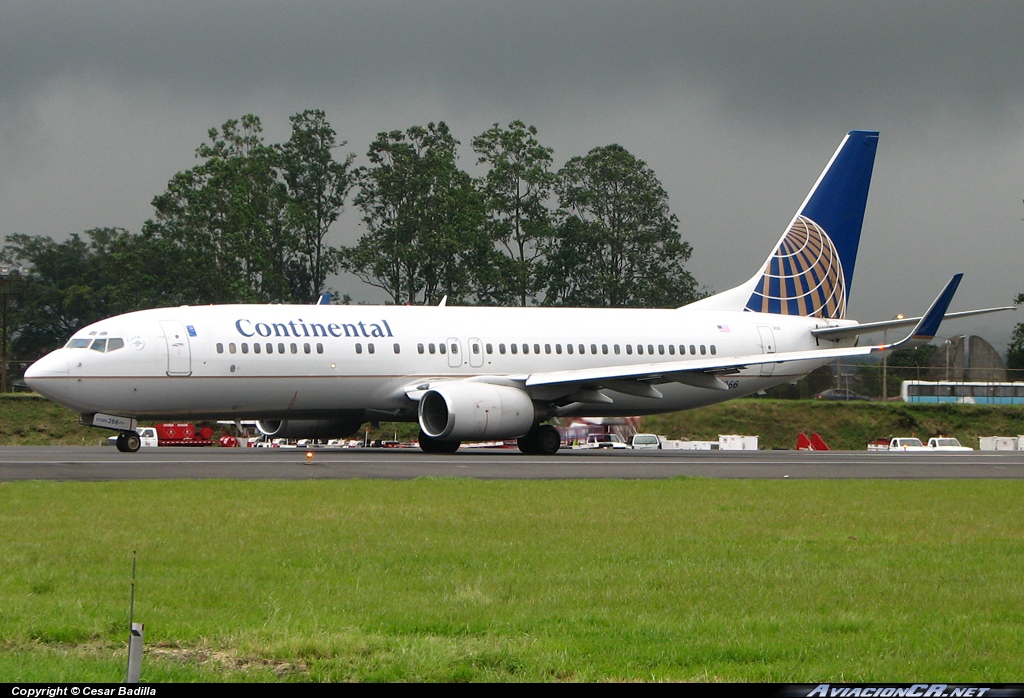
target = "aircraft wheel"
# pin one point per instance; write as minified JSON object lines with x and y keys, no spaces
{"x":547,"y":440}
{"x":429,"y":444}
{"x":132,"y":441}
{"x":128,"y":442}
{"x":542,"y":440}
{"x":526,"y":444}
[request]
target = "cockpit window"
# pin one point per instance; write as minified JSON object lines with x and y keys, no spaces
{"x":100,"y":344}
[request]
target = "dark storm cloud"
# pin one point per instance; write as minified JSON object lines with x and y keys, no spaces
{"x":735,"y":105}
{"x":796,"y":59}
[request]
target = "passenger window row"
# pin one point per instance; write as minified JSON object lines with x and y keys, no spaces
{"x":258,"y":348}
{"x":443,"y":348}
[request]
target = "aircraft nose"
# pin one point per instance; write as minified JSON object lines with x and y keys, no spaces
{"x":49,"y":375}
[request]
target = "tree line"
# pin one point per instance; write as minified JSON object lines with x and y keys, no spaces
{"x":249,"y":224}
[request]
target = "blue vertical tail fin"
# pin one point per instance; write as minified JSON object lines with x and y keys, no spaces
{"x":811,"y":270}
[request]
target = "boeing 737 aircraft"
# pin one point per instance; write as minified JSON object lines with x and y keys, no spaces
{"x":469,"y":373}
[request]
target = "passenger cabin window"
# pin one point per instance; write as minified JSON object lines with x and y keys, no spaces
{"x":256,"y":349}
{"x":231,"y":348}
{"x":245,"y":347}
{"x":370,"y":347}
{"x":359,"y":348}
{"x":319,"y":348}
{"x":305,"y":347}
{"x":419,"y":348}
{"x":501,"y":348}
{"x":220,"y":348}
{"x":397,"y":348}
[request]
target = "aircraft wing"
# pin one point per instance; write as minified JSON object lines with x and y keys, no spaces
{"x":638,"y":379}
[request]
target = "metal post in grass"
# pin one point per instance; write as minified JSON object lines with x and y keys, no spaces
{"x":135,"y":637}
{"x":135,"y":654}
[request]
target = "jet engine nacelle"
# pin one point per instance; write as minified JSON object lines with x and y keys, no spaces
{"x":463,"y":411}
{"x":319,"y":429}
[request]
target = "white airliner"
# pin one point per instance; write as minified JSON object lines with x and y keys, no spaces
{"x":471,"y":373}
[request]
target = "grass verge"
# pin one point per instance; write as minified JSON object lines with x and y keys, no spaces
{"x":449,"y":580}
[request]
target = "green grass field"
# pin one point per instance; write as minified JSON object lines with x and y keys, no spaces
{"x":449,"y":580}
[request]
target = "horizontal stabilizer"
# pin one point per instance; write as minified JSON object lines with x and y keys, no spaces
{"x":886,"y":325}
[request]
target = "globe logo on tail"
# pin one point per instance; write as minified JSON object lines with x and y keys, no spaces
{"x":804,"y":276}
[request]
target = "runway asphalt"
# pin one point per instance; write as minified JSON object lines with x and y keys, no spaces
{"x":101,"y":463}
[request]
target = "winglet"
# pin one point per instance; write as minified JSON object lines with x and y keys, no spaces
{"x":325,"y":299}
{"x":929,"y":323}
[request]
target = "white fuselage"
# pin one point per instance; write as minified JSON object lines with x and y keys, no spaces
{"x":361,"y":362}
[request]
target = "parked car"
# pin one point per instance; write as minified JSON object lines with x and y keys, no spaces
{"x":840,"y":394}
{"x":604,"y":441}
{"x":644,"y":441}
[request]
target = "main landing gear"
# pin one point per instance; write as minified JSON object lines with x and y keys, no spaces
{"x":128,"y":442}
{"x":429,"y":444}
{"x":542,"y":440}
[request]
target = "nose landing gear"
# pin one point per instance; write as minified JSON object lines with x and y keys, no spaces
{"x":128,"y":442}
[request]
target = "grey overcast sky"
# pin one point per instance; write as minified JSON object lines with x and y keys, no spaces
{"x":736,"y":106}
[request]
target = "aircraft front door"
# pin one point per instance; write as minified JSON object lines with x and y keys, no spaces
{"x":767,"y":347}
{"x":179,"y":353}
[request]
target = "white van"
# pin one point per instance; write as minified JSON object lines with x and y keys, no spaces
{"x":645,"y":441}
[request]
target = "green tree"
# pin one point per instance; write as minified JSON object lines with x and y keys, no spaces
{"x":617,"y":244}
{"x":1015,"y":351}
{"x":424,"y":218}
{"x":71,"y":284}
{"x":517,"y":188}
{"x":317,"y":186}
{"x":226,"y":218}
